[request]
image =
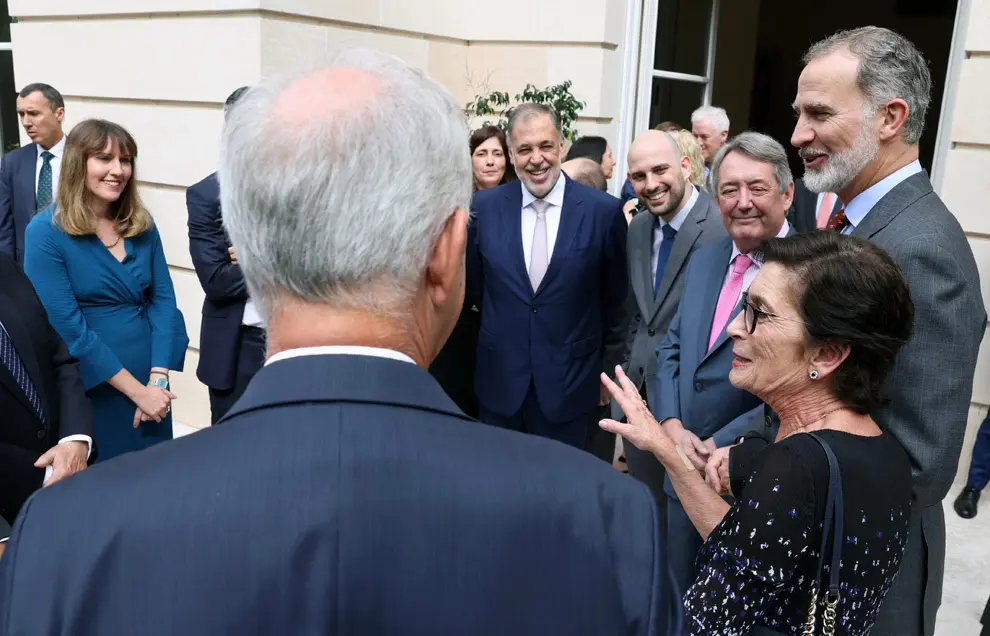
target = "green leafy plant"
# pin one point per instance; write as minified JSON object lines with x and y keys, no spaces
{"x":558,"y":97}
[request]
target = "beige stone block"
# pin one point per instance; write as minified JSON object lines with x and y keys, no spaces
{"x":969,"y":121}
{"x":178,"y":144}
{"x":189,"y":298}
{"x":192,"y":407}
{"x":965,"y":188}
{"x":981,"y":379}
{"x":289,"y":46}
{"x":978,"y":27}
{"x":357,"y":11}
{"x":584,"y":66}
{"x":446,"y":18}
{"x":62,"y":8}
{"x":168,"y":207}
{"x":506,"y":67}
{"x":447,"y":62}
{"x":198,"y":59}
{"x":544,"y":21}
{"x":413,"y":49}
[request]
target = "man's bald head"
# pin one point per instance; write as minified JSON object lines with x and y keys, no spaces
{"x":659,"y":173}
{"x":336,"y":185}
{"x":586,"y":171}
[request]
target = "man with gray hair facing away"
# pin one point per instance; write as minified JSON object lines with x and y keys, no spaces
{"x":346,"y":493}
{"x":710,"y":126}
{"x":861,"y":103}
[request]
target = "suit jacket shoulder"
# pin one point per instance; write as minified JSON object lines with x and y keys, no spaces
{"x":207,"y":188}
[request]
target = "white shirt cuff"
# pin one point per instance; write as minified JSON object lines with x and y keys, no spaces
{"x":80,"y":438}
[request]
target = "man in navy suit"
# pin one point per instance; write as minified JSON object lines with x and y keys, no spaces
{"x":232,"y":336}
{"x":695,"y":403}
{"x":345,"y":493}
{"x":547,"y":267}
{"x":29,"y":176}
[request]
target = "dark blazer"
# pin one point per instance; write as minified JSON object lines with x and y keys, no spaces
{"x":55,"y":376}
{"x":347,"y":495}
{"x":803,"y":215}
{"x":18,"y":198}
{"x":652,"y":314}
{"x":223,"y":282}
{"x":692,"y":382}
{"x":561,"y":337}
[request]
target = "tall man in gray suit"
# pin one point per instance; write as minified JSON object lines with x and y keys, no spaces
{"x":861,"y":103}
{"x":681,"y":219}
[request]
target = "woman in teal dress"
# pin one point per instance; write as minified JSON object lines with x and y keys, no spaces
{"x":96,"y":260}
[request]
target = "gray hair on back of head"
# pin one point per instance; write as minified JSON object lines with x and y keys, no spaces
{"x":344,"y":208}
{"x":716,"y":115}
{"x":890,"y":67}
{"x":755,"y":146}
{"x":528,"y":110}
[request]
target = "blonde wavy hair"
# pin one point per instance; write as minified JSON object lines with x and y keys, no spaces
{"x":73,"y":213}
{"x":689,"y":146}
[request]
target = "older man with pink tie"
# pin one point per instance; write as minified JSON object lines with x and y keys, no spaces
{"x":695,"y":403}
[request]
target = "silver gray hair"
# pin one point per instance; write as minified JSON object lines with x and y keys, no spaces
{"x":344,"y":208}
{"x":528,"y":110}
{"x":757,"y":146}
{"x":717,"y":116}
{"x":890,"y":67}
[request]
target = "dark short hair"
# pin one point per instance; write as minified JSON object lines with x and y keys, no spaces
{"x":588,"y":147}
{"x":233,"y":98}
{"x":52,"y":96}
{"x":850,"y":292}
{"x":528,"y":110}
{"x":668,"y":126}
{"x":485,"y":133}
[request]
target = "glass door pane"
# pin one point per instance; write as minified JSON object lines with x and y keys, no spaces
{"x":673,"y":100}
{"x":682,"y":36}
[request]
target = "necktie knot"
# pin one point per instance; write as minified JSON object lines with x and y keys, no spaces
{"x":838,"y":222}
{"x":540,"y":207}
{"x":741,"y":264}
{"x":47,"y":156}
{"x":668,"y":231}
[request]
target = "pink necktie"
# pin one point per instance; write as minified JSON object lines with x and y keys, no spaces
{"x":825,"y":209}
{"x":728,"y":298}
{"x":539,"y":259}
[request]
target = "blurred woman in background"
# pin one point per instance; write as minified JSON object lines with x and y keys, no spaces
{"x":689,"y":146}
{"x":490,"y":158}
{"x":596,"y":149}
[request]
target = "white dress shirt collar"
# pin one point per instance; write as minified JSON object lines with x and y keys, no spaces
{"x":862,"y":203}
{"x":374,"y":352}
{"x":58,"y":149}
{"x":555,"y":196}
{"x":682,"y":215}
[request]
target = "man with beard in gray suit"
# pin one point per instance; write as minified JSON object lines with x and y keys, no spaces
{"x":861,"y":103}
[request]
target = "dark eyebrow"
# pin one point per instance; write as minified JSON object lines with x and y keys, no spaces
{"x":756,"y":299}
{"x":815,"y":107}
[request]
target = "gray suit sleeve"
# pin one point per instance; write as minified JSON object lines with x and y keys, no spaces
{"x":932,"y":383}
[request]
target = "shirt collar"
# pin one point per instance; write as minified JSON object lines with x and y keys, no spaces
{"x":374,"y":352}
{"x":681,"y":216}
{"x":862,"y":203}
{"x":56,"y":150}
{"x":755,"y":255}
{"x":555,"y":197}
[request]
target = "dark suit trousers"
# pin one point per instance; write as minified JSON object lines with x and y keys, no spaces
{"x":250,"y":359}
{"x":530,"y":419}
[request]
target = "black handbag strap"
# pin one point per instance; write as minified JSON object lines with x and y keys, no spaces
{"x":834,"y":515}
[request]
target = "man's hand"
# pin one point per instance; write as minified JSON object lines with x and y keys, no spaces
{"x":717,"y":471}
{"x":233,"y":255}
{"x":65,"y":459}
{"x":3,"y":546}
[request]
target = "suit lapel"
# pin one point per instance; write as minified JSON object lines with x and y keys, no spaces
{"x":512,"y":230}
{"x":683,"y":244}
{"x":571,"y":216}
{"x":892,"y":204}
{"x":25,"y":179}
{"x":24,"y":346}
{"x":641,"y":244}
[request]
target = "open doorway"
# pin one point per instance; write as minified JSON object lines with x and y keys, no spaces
{"x":745,"y":56}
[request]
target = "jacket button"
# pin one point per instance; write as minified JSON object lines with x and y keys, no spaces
{"x":41,"y":434}
{"x":642,"y":370}
{"x":698,"y":387}
{"x":535,"y":309}
{"x":652,"y":332}
{"x":768,"y":421}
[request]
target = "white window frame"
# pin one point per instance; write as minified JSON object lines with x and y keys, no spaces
{"x":957,"y":54}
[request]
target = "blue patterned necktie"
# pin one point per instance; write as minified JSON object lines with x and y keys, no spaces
{"x":45,"y":180}
{"x":663,"y":254}
{"x":11,"y":360}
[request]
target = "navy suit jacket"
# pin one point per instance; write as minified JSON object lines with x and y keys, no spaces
{"x":18,"y":198}
{"x":563,"y":335}
{"x":692,"y":382}
{"x":223,"y":282}
{"x":342,"y":495}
